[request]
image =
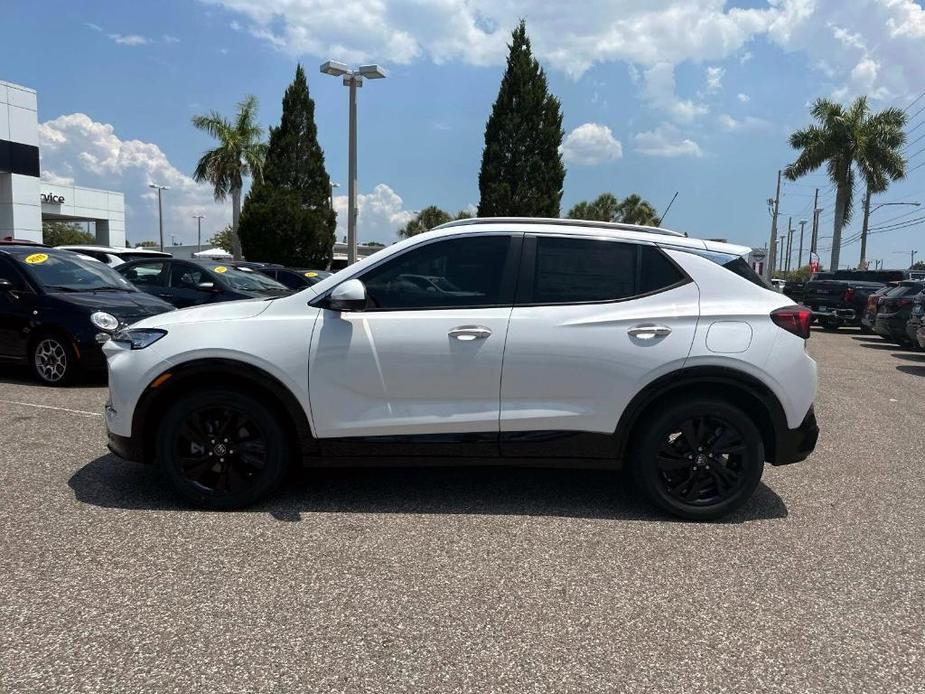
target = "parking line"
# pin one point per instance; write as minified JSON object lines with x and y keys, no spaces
{"x":52,"y":407}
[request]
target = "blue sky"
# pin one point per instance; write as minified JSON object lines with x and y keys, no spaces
{"x":658,"y":96}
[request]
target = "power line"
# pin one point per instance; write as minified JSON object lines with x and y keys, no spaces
{"x":914,"y":102}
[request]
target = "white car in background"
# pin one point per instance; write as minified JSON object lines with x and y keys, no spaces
{"x":577,"y":344}
{"x":778,"y":285}
{"x":113,"y":256}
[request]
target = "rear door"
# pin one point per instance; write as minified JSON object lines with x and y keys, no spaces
{"x":594,"y":320}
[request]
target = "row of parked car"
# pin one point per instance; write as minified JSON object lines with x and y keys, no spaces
{"x":59,"y":305}
{"x":889,"y":303}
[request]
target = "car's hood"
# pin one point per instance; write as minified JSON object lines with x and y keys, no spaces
{"x":128,"y":307}
{"x":226,"y":310}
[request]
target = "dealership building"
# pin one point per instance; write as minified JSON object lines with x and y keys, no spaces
{"x":25,"y":199}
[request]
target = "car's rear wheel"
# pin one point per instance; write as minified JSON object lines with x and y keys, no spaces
{"x":53,"y":360}
{"x":698,"y":460}
{"x":222,"y":449}
{"x":831,"y":323}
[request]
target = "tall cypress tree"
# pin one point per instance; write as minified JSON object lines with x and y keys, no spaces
{"x":287,"y":216}
{"x":522,"y":172}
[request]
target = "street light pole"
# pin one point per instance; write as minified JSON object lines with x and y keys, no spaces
{"x":353,"y":78}
{"x":160,"y":210}
{"x":800,"y":252}
{"x":198,"y":218}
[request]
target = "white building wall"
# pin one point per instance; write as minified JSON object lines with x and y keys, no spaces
{"x":20,"y":210}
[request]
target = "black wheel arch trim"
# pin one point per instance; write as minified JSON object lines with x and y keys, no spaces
{"x":773,"y":426}
{"x":215,"y":373}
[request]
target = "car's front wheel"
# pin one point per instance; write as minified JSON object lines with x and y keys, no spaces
{"x":53,"y":360}
{"x":699,"y":459}
{"x":221,"y":449}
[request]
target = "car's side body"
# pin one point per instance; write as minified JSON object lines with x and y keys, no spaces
{"x":894,"y":311}
{"x":521,"y":378}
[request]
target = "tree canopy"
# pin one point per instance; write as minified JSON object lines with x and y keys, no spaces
{"x":58,"y":233}
{"x":607,"y":208}
{"x":522,"y":172}
{"x":288,"y":217}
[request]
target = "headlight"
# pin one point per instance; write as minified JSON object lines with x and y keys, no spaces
{"x":104,"y":321}
{"x":139,"y":338}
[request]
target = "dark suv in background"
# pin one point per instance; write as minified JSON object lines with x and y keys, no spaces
{"x":836,"y":303}
{"x":895,"y":310}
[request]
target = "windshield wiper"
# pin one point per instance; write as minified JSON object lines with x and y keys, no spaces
{"x":62,"y":288}
{"x":108,"y":288}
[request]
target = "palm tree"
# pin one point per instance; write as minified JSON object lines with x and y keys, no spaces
{"x":602,"y":209}
{"x":634,"y":210}
{"x":240,"y":153}
{"x":849,"y":142}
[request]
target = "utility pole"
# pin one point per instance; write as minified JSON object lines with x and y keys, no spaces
{"x":800,"y":252}
{"x":160,"y":209}
{"x":789,"y":240}
{"x":198,"y":218}
{"x":863,"y":261}
{"x":816,"y":211}
{"x":780,"y":254}
{"x":772,"y":246}
{"x":912,"y":255}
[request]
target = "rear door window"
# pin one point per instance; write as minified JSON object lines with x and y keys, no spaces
{"x":580,"y":270}
{"x":145,"y":274}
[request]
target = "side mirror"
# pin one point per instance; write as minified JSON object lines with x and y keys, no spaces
{"x":348,"y":296}
{"x":206,"y":286}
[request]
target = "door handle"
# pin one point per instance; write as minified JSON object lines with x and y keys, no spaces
{"x":649,"y":332}
{"x":467,"y":333}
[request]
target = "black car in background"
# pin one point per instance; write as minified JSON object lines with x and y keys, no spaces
{"x":193,"y":282}
{"x":869,"y":317}
{"x":293,"y":277}
{"x":836,"y":302}
{"x":916,"y":318}
{"x":895,"y":310}
{"x":57,"y":308}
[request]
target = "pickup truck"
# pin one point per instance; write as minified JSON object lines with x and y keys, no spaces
{"x":836,"y":303}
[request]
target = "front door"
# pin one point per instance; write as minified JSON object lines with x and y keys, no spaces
{"x":424,"y":359}
{"x":183,"y":285}
{"x":594,"y":321}
{"x":16,"y":306}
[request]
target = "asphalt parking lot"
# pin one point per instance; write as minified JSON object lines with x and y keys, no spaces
{"x":470,"y":580}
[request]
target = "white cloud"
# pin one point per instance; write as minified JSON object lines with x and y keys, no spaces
{"x":91,"y":25}
{"x":380,"y":214}
{"x":94,"y":155}
{"x":170,"y":38}
{"x":55,"y":178}
{"x":749,"y":123}
{"x":714,"y":76}
{"x":129,"y":39}
{"x":743,"y":98}
{"x":659,"y":90}
{"x":666,"y":141}
{"x":590,"y":144}
{"x":574,"y":37}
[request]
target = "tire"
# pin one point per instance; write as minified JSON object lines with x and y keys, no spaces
{"x":865,"y":330}
{"x":831,"y":324}
{"x":221,"y":449}
{"x":53,"y":360}
{"x":668,"y":468}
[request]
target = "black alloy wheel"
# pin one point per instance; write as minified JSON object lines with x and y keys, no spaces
{"x":699,"y":460}
{"x":222,"y":450}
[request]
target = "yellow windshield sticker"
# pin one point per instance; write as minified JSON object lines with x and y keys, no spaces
{"x":36,"y":258}
{"x":221,"y":268}
{"x":311,"y":274}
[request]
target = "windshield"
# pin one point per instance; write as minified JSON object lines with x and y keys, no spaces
{"x":247,"y":280}
{"x":69,"y":272}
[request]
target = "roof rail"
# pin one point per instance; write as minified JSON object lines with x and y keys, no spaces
{"x":562,"y":222}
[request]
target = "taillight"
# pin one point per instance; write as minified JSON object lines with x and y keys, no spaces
{"x":794,"y":319}
{"x":872,"y":302}
{"x":904,"y":302}
{"x":847,"y":295}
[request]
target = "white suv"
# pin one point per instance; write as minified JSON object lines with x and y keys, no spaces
{"x":499,"y":341}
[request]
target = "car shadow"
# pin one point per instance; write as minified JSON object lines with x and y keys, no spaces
{"x":885,"y":346}
{"x":910,"y":369}
{"x":911,"y":357}
{"x":111,"y":483}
